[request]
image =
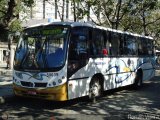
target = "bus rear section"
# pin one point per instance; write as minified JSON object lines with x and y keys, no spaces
{"x":102,"y":59}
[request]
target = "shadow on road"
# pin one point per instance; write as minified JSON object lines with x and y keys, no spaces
{"x":121,"y":103}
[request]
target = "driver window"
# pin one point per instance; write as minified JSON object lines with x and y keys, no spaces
{"x":78,"y":49}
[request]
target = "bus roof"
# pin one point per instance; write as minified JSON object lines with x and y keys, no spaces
{"x":89,"y":24}
{"x":73,"y":24}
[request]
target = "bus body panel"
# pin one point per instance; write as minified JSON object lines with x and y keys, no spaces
{"x":78,"y":84}
{"x":114,"y":55}
{"x":78,"y":88}
{"x":55,"y":93}
{"x":45,"y":85}
{"x":117,"y":72}
{"x":147,"y":65}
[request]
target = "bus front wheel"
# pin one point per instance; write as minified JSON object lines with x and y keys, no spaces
{"x":95,"y":89}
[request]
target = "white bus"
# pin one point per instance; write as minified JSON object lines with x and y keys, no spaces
{"x":66,"y":60}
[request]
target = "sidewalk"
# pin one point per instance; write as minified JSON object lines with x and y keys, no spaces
{"x":5,"y":76}
{"x":5,"y":84}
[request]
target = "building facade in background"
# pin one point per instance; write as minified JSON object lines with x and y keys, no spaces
{"x":44,"y":11}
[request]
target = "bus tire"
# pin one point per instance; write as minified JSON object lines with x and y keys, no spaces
{"x":138,"y":80}
{"x":95,"y":89}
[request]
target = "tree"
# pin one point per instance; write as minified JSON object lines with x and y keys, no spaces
{"x":9,"y":14}
{"x":105,"y":12}
{"x":59,"y":7}
{"x":141,"y":16}
{"x":130,"y":15}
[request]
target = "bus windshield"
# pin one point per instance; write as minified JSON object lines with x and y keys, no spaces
{"x":42,"y":48}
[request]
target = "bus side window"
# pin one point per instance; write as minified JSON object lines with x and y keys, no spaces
{"x":97,"y":44}
{"x":106,"y":42}
{"x":130,"y":45}
{"x":115,"y":42}
{"x":72,"y":48}
{"x":121,"y":46}
{"x":150,"y":47}
{"x":142,"y":47}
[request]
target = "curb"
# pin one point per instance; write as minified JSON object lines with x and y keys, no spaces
{"x":4,"y":99}
{"x":7,"y":93}
{"x":6,"y":72}
{"x":6,"y":83}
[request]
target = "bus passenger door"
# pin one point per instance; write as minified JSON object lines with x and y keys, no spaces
{"x":77,"y":61}
{"x":78,"y":54}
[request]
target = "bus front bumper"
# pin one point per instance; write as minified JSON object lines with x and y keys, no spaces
{"x":58,"y":93}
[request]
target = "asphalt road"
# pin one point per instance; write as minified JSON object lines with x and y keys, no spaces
{"x":119,"y":104}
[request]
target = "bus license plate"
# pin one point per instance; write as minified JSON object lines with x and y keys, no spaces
{"x":32,"y":92}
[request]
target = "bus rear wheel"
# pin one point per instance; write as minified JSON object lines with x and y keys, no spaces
{"x":138,"y":80}
{"x":95,"y":89}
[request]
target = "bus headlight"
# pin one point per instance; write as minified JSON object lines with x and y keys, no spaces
{"x":59,"y":81}
{"x":54,"y":83}
{"x":50,"y":85}
{"x":17,"y":82}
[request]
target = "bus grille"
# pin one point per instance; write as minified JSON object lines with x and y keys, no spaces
{"x":30,"y":84}
{"x":40,"y":84}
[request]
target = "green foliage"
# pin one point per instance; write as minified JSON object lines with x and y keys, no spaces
{"x":142,"y":13}
{"x":2,"y":8}
{"x":15,"y":26}
{"x":28,"y":3}
{"x":138,"y":16}
{"x":9,"y":16}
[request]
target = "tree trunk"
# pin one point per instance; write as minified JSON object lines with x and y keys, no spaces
{"x":144,"y":23}
{"x":74,"y":10}
{"x":44,"y":7}
{"x":63,"y":7}
{"x":88,"y":10}
{"x":9,"y":14}
{"x":118,"y":14}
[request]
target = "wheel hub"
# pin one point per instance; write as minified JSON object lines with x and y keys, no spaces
{"x":95,"y":90}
